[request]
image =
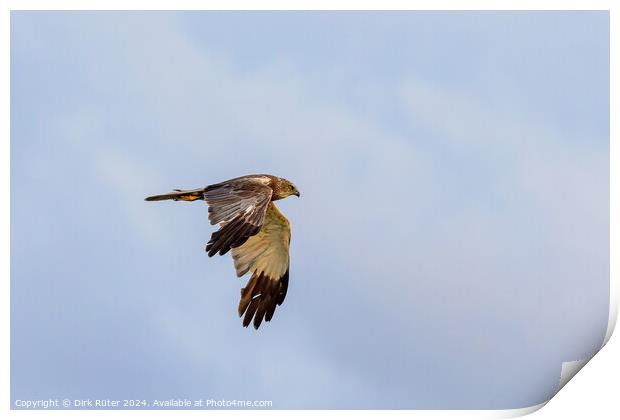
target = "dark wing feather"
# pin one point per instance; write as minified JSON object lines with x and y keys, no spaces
{"x":239,"y":207}
{"x":260,"y":298}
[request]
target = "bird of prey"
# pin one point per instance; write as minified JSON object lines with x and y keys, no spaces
{"x":257,"y":233}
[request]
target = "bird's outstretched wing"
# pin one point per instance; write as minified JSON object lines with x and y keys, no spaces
{"x":239,"y":207}
{"x":266,"y":256}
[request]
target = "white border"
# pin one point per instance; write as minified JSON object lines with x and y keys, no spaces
{"x":568,"y":370}
{"x":311,"y":5}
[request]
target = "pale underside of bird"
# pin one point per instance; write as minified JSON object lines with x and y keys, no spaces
{"x":255,"y":231}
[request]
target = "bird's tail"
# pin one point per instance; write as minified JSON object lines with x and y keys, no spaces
{"x":184,"y":195}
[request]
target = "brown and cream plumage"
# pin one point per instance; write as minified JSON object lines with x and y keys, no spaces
{"x":257,"y":233}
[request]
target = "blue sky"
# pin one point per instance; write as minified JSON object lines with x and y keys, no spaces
{"x":449,"y":250}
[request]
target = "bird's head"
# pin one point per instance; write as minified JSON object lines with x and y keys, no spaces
{"x":288,"y":188}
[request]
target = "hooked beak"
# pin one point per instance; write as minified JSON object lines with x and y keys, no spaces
{"x":297,"y":193}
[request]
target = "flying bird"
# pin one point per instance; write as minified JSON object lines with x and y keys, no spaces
{"x":255,"y":231}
